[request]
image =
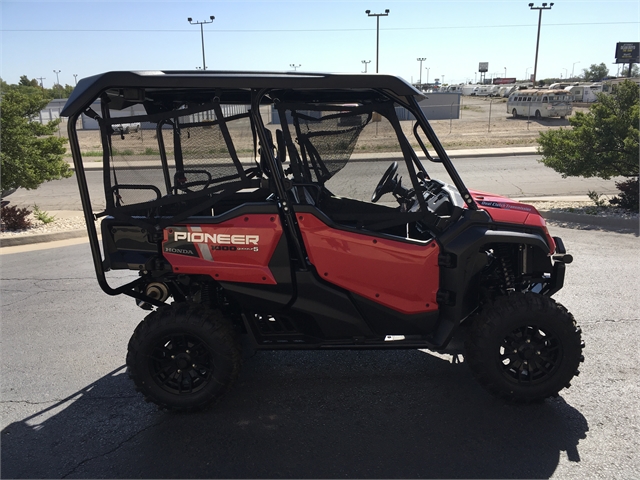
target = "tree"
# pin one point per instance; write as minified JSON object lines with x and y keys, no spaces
{"x":603,"y":142}
{"x":30,"y":153}
{"x":25,"y":82}
{"x":595,"y":73}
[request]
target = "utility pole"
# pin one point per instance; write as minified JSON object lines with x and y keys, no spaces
{"x":204,"y":22}
{"x":75,"y":77}
{"x":366,"y":62}
{"x":42,"y":84}
{"x":377,"y":15}
{"x":540,"y":9}
{"x":573,"y":67}
{"x":421,"y":59}
{"x":427,"y":69}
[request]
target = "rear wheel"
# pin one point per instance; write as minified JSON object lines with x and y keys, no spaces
{"x":524,"y":347}
{"x":538,"y":115}
{"x":514,"y":112}
{"x":184,"y":357}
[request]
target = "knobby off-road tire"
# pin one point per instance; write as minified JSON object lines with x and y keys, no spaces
{"x":184,"y":357}
{"x":524,"y":347}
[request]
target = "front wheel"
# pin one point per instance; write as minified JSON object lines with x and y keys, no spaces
{"x":184,"y":357}
{"x":524,"y":347}
{"x":514,"y":113}
{"x":538,"y":115}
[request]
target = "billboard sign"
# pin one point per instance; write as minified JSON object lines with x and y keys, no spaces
{"x":504,"y":81}
{"x":628,"y":52}
{"x":483,"y":67}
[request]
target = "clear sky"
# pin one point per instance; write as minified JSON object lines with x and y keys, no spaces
{"x":86,"y":37}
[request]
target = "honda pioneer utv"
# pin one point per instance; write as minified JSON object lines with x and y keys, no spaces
{"x":243,"y":204}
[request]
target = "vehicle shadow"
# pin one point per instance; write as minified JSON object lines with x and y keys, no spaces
{"x":364,"y":414}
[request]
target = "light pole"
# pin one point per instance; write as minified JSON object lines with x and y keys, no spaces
{"x":75,"y":77}
{"x":427,"y":69}
{"x":526,"y":74}
{"x":540,"y":9}
{"x":505,"y":72}
{"x":366,"y":62}
{"x":566,"y":71}
{"x":204,"y":22}
{"x":57,"y":80}
{"x":574,"y":66}
{"x":295,"y":67}
{"x":377,"y":15}
{"x":421,"y":59}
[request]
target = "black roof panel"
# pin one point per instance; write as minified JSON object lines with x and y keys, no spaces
{"x":88,"y":89}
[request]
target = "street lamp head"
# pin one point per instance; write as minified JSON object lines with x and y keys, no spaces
{"x":367,"y":12}
{"x":531,"y":5}
{"x":213,"y":18}
{"x":386,"y":11}
{"x":544,"y":4}
{"x":190,"y":19}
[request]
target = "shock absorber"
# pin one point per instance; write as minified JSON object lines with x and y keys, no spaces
{"x":206,"y":297}
{"x":506,"y":263}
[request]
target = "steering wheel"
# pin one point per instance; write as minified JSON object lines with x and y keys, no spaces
{"x":386,"y":184}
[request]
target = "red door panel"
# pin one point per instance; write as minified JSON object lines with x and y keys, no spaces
{"x":398,"y":275}
{"x":237,"y":250}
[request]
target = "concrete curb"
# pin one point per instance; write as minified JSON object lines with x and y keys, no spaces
{"x":612,"y":223}
{"x":42,"y":238}
{"x":387,"y":156}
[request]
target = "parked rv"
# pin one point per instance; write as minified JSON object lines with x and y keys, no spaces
{"x":539,"y":103}
{"x":506,"y":90}
{"x":584,"y":93}
{"x":469,"y":89}
{"x":484,"y":90}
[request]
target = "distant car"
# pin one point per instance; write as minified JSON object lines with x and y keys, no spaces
{"x":126,"y":127}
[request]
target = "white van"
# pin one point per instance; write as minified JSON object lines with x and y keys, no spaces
{"x":539,"y":103}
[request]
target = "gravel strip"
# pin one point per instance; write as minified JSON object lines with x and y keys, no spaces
{"x":583,"y":208}
{"x":58,"y":225}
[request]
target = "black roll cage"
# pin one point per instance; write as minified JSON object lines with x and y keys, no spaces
{"x":276,"y":87}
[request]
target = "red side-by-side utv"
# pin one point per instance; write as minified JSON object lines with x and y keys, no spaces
{"x":244,"y":206}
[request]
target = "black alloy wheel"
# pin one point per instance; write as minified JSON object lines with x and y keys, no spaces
{"x":181,"y":363}
{"x":528,"y":354}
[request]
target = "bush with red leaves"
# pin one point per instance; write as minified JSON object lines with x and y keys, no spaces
{"x":14,"y":218}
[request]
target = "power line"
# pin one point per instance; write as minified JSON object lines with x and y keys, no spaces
{"x":453,"y":27}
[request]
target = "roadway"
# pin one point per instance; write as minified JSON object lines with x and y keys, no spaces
{"x":513,"y":176}
{"x":69,"y":411}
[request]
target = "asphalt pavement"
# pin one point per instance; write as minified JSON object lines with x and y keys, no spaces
{"x":68,"y":409}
